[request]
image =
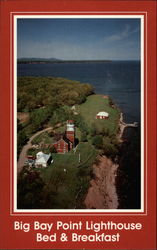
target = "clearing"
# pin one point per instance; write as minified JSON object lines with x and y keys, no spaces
{"x":95,"y":104}
{"x":67,"y":178}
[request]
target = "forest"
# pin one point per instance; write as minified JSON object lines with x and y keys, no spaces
{"x":46,"y":99}
{"x":36,"y":92}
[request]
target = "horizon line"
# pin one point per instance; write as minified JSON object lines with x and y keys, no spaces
{"x":57,"y":59}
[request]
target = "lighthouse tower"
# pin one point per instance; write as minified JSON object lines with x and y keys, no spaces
{"x":70,"y":132}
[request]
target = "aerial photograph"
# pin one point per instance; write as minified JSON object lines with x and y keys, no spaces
{"x":78,"y":113}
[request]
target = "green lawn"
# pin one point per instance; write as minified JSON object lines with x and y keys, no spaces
{"x":64,"y":186}
{"x":95,"y":104}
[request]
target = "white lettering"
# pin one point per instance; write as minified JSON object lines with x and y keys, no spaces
{"x":69,"y":226}
{"x":19,"y":225}
{"x":43,"y":226}
{"x":95,"y":237}
{"x":45,"y":237}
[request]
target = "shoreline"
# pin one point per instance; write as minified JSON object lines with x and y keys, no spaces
{"x":123,"y":126}
{"x":102,"y":193}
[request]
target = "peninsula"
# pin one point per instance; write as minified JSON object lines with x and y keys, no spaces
{"x":46,"y":107}
{"x":54,"y":60}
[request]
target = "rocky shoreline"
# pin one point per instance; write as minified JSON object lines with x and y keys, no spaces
{"x":102,"y":193}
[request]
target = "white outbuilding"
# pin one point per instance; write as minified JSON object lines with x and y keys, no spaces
{"x":42,"y":159}
{"x":102,"y":115}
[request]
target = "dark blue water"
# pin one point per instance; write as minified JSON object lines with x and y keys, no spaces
{"x":120,"y":80}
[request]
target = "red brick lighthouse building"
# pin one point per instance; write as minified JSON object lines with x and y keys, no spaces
{"x":66,"y":141}
{"x":70,"y":132}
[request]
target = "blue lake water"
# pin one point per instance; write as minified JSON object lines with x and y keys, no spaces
{"x":118,"y":79}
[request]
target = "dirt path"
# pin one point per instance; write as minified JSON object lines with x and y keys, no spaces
{"x":23,"y":154}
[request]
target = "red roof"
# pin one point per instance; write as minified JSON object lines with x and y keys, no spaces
{"x":61,"y":140}
{"x":70,"y":121}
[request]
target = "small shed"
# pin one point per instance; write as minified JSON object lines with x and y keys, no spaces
{"x":102,"y":115}
{"x":42,"y":159}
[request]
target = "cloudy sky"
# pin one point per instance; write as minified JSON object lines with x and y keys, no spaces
{"x":79,"y":39}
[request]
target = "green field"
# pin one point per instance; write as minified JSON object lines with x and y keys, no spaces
{"x":67,"y":179}
{"x":95,"y":104}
